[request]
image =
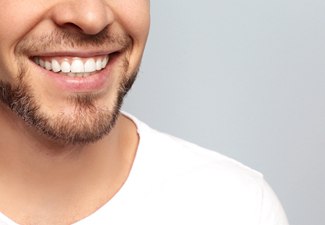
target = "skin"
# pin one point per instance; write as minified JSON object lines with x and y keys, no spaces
{"x":44,"y":180}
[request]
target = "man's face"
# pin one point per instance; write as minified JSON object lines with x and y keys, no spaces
{"x":65,"y":65}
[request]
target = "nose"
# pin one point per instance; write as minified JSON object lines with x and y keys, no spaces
{"x":88,"y":16}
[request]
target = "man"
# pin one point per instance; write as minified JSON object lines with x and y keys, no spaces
{"x":68,"y":156}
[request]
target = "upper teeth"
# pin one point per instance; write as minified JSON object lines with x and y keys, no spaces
{"x":74,"y":65}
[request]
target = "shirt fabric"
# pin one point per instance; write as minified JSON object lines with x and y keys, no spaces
{"x":176,"y":182}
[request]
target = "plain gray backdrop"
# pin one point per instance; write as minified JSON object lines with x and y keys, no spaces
{"x":247,"y":79}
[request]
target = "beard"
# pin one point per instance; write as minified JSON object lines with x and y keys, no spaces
{"x":88,"y":123}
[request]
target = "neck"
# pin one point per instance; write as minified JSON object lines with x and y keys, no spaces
{"x":48,"y":176}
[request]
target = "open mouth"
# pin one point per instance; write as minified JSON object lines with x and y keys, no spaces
{"x":73,"y":66}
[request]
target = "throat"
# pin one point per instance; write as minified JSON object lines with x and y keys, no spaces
{"x":36,"y":188}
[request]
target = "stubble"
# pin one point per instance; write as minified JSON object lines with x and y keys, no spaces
{"x":89,"y":122}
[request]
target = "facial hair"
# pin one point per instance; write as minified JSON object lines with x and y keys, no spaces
{"x":89,"y":123}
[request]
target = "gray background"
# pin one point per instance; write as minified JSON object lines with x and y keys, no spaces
{"x":247,"y":79}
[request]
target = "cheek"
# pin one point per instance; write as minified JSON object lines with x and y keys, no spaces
{"x":14,"y":20}
{"x":135,"y":18}
{"x":10,"y":27}
{"x":17,"y":18}
{"x":15,"y":23}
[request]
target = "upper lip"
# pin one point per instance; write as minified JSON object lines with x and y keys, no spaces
{"x":81,"y":54}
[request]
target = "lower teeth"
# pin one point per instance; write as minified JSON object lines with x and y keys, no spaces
{"x":77,"y":74}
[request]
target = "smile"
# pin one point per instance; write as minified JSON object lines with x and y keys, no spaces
{"x":73,"y":66}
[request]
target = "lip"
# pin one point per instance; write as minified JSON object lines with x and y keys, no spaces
{"x":81,"y":54}
{"x":94,"y":83}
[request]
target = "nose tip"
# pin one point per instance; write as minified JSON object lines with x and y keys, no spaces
{"x":88,"y":16}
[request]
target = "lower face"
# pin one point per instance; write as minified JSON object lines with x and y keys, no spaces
{"x":84,"y":111}
{"x":70,"y":98}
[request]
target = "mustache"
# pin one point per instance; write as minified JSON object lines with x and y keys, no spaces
{"x":72,"y":39}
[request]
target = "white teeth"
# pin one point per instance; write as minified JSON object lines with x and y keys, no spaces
{"x":76,"y":66}
{"x":90,"y":66}
{"x":65,"y":67}
{"x":55,"y":66}
{"x":104,"y":62}
{"x":42,"y":63}
{"x":98,"y":64}
{"x":48,"y":65}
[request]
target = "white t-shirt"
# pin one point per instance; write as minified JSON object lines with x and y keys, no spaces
{"x":173,"y":182}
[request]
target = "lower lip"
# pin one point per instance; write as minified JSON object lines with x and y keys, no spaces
{"x":92,"y":83}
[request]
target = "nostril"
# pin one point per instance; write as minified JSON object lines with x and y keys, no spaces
{"x":71,"y":27}
{"x":89,"y":17}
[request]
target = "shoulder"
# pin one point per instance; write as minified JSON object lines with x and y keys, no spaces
{"x":211,"y":187}
{"x":182,"y":157}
